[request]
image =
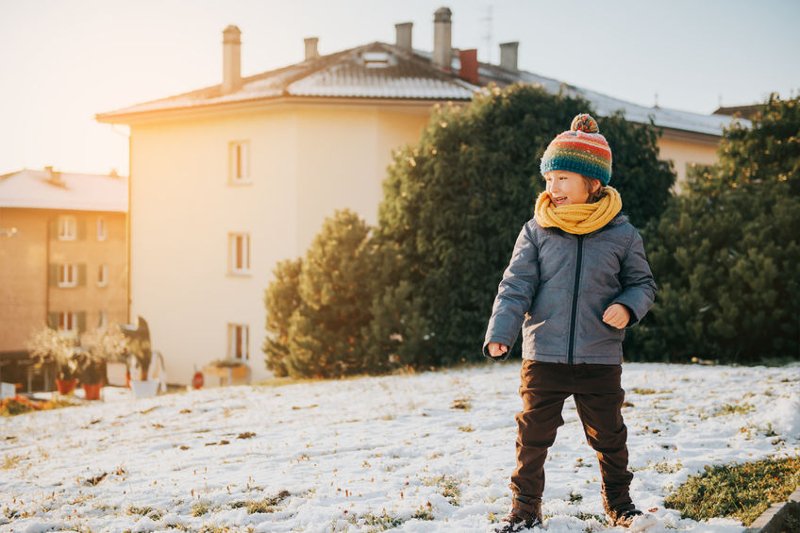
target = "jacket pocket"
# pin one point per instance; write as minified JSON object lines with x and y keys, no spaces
{"x":548,"y":327}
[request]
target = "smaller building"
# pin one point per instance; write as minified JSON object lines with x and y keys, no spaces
{"x":63,"y":259}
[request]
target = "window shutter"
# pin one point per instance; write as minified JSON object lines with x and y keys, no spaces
{"x":52,"y":320}
{"x":81,"y":274}
{"x":81,"y":321}
{"x":52,"y":275}
{"x":81,"y":229}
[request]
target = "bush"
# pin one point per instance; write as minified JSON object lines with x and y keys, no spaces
{"x":319,"y":306}
{"x":455,"y":202}
{"x":726,"y":254}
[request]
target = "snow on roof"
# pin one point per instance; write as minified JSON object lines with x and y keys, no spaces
{"x":380,"y":70}
{"x":606,"y":105}
{"x":44,"y":189}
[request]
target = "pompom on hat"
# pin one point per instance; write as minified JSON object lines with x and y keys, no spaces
{"x":581,"y":149}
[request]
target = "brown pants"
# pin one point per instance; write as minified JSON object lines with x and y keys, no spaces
{"x":598,"y":397}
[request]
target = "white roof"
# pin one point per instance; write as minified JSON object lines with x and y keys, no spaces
{"x":81,"y":192}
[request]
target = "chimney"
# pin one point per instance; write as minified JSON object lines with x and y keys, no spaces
{"x":403,"y":35}
{"x":54,"y":176}
{"x":231,"y":59}
{"x":469,"y":65}
{"x":508,"y":55}
{"x":442,"y":37}
{"x":311,"y":47}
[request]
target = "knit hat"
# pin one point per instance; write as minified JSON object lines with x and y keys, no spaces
{"x":581,"y":149}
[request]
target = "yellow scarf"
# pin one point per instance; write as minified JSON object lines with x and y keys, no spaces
{"x":578,"y":219}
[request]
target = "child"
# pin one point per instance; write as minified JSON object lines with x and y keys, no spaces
{"x":578,"y":277}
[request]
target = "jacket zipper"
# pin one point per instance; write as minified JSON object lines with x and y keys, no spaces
{"x":571,"y":354}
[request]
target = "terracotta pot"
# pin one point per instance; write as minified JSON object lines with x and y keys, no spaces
{"x":92,"y":390}
{"x":66,"y":386}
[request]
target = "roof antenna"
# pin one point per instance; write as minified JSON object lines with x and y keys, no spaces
{"x":488,"y":35}
{"x":656,"y":104}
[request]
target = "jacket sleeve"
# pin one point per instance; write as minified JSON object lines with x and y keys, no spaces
{"x":515,"y":293}
{"x":638,"y":285}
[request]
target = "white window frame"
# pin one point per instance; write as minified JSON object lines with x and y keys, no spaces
{"x":68,"y":322}
{"x":67,"y":228}
{"x":67,"y":275}
{"x":238,"y":336}
{"x":102,"y":275}
{"x":102,"y":230}
{"x":239,"y":163}
{"x":239,"y":253}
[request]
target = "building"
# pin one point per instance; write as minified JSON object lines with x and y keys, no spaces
{"x":230,"y":179}
{"x":63,"y":258}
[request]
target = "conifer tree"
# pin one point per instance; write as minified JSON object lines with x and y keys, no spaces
{"x":325,"y":330}
{"x":726,"y":254}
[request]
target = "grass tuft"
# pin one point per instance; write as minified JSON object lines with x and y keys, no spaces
{"x":740,"y":491}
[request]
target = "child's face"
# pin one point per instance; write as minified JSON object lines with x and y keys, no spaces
{"x":567,"y":187}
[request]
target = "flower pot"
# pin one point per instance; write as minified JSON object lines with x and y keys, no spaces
{"x":66,"y":386}
{"x":92,"y":390}
{"x":144,"y":389}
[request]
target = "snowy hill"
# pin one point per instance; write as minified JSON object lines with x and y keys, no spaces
{"x":428,"y":452}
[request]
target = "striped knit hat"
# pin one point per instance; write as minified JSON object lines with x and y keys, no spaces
{"x":581,"y":149}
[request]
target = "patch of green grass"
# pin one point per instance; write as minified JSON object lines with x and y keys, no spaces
{"x":466,"y":429}
{"x":200,"y":508}
{"x":734,"y":409}
{"x":266,"y":505}
{"x":424,"y":512}
{"x":146,"y":511}
{"x":465,"y":404}
{"x":643,"y":392}
{"x":740,"y":491}
{"x":376,"y":522}
{"x":448,"y":486}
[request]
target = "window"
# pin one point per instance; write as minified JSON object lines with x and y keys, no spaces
{"x":67,"y":228}
{"x":239,"y":253}
{"x":239,"y":342}
{"x":102,"y":320}
{"x":67,"y":322}
{"x":68,"y":275}
{"x":239,"y":162}
{"x":102,"y":275}
{"x":101,"y":229}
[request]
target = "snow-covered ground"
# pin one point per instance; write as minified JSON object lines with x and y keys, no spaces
{"x":428,"y":452}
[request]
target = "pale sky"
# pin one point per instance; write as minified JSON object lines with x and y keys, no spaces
{"x":63,"y":61}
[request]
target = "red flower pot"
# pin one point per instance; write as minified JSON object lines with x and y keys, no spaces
{"x":92,"y":390}
{"x":66,"y":386}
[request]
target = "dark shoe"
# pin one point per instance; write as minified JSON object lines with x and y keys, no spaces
{"x":525,"y":514}
{"x":623,"y":516}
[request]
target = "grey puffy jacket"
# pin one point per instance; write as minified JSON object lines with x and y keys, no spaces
{"x":561,"y":284}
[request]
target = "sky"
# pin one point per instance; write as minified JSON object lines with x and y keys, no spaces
{"x":63,"y":61}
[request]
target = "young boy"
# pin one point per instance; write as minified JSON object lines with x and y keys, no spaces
{"x":578,"y":277}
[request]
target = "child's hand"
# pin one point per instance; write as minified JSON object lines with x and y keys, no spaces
{"x":496,"y":349}
{"x":617,"y":315}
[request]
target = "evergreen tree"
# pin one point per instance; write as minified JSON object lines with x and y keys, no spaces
{"x":726,"y":255}
{"x":455,"y":202}
{"x":282,"y":299}
{"x":325,"y":330}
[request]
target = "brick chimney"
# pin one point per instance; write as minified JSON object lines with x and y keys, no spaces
{"x":508,"y":55}
{"x":231,"y":59}
{"x":469,"y":65}
{"x":442,"y":38}
{"x":311,"y":47}
{"x":403,"y":35}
